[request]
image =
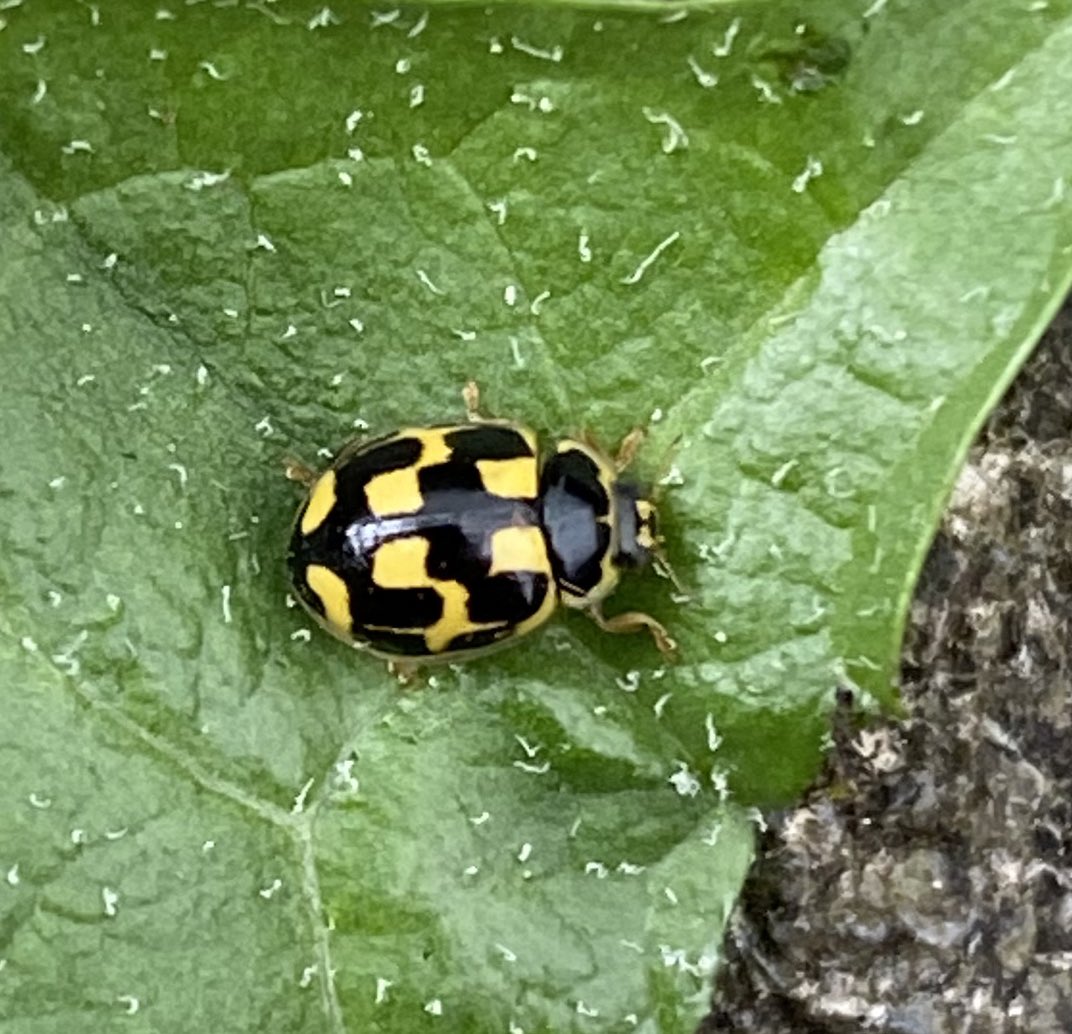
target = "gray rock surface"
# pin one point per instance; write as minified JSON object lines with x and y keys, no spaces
{"x":924,"y":885}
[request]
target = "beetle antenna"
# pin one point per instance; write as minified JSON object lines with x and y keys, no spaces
{"x":664,"y":569}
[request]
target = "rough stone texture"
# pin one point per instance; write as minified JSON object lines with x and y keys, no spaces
{"x":925,"y":885}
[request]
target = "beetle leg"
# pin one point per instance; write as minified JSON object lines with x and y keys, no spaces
{"x":403,"y":670}
{"x":588,"y":437}
{"x":295,"y":470}
{"x":471,"y":397}
{"x":635,"y":621}
{"x":628,"y":448}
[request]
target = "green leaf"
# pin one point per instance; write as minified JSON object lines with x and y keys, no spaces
{"x":817,"y":251}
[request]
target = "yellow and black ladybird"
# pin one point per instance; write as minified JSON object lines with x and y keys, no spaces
{"x":442,"y":542}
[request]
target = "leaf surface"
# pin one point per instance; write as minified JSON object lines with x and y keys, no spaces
{"x":809,"y":254}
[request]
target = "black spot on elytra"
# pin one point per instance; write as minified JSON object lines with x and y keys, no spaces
{"x":401,"y":644}
{"x":449,"y":478}
{"x":487,"y":442}
{"x":509,"y":597}
{"x":479,"y":639}
{"x":456,"y":555}
{"x":394,"y":608}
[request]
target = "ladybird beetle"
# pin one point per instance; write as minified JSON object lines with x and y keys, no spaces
{"x":438,"y":543}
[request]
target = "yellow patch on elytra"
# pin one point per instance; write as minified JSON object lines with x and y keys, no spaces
{"x":403,"y":564}
{"x":455,"y":618}
{"x":519,"y":549}
{"x":511,"y":479}
{"x":321,"y":500}
{"x":399,"y":491}
{"x":334,"y":596}
{"x":434,"y":448}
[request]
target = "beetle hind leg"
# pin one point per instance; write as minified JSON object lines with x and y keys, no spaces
{"x":295,"y":470}
{"x":636,"y":621}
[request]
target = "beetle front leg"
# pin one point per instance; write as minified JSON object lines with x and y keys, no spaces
{"x":636,"y":621}
{"x":628,"y":448}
